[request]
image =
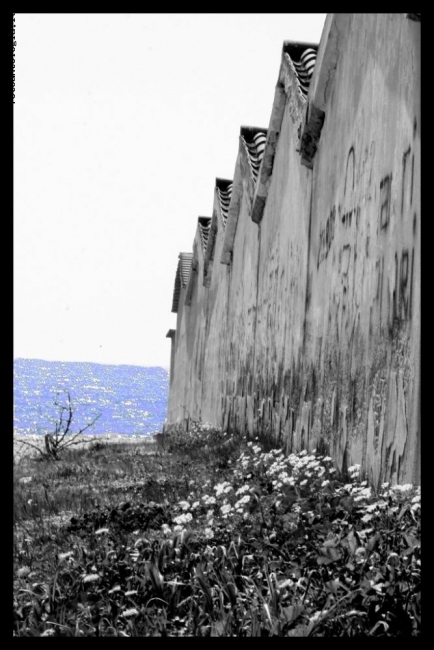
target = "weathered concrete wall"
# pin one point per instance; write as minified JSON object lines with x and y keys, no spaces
{"x":307,"y":327}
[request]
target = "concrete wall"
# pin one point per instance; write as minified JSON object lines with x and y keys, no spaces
{"x":308,"y":326}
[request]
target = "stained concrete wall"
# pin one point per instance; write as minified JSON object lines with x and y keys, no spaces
{"x":307,"y":327}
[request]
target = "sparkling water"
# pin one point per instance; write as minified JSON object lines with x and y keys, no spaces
{"x":132,"y":400}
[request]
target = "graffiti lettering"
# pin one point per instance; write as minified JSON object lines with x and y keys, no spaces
{"x":402,"y":294}
{"x":405,"y":179}
{"x":351,"y":156}
{"x":326,"y":237}
{"x":385,"y":200}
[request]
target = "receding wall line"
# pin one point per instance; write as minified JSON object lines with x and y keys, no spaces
{"x":256,"y":305}
{"x":307,"y":289}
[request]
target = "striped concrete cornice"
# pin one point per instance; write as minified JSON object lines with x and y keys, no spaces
{"x":170,"y":334}
{"x":194,"y":269}
{"x":204,"y":226}
{"x":223,"y":189}
{"x":243,"y":183}
{"x":288,"y":94}
{"x":181,"y":278}
{"x":321,"y":85}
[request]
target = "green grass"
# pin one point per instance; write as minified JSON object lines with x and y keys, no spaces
{"x":210,"y":535}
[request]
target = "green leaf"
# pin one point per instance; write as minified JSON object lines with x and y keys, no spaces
{"x":292,"y":612}
{"x":373,"y":541}
{"x":352,"y":542}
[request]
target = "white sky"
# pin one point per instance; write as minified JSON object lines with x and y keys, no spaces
{"x":122,"y":122}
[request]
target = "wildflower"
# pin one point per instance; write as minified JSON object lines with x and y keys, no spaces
{"x":116,"y":588}
{"x":220,"y":488}
{"x":209,"y":534}
{"x":403,"y":488}
{"x":48,"y":632}
{"x":23,"y":572}
{"x":416,"y":499}
{"x":195,"y":505}
{"x":178,"y":528}
{"x":242,"y":501}
{"x":226,"y":509}
{"x":304,"y":482}
{"x":132,"y":592}
{"x":29,"y":502}
{"x":184,"y":505}
{"x":363,"y":494}
{"x":324,"y":483}
{"x":25,"y":479}
{"x":63,"y":556}
{"x":242,"y":489}
{"x":100,"y":531}
{"x":317,"y":615}
{"x":91,"y":577}
{"x":183,"y":519}
{"x":366,"y":518}
{"x":132,"y":611}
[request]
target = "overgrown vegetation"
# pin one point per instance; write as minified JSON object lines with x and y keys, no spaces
{"x":211,"y":535}
{"x":62,"y":436}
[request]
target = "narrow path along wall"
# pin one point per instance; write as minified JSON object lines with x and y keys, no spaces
{"x":298,"y":317}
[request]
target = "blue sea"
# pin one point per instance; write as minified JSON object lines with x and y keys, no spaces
{"x":132,"y":400}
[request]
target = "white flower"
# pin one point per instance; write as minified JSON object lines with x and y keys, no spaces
{"x":63,"y":556}
{"x":166,"y":529}
{"x":23,"y":572}
{"x":416,"y":499}
{"x":324,"y":483}
{"x":132,"y":592}
{"x":100,"y":531}
{"x":25,"y":479}
{"x":91,"y":577}
{"x":130,"y":612}
{"x":183,"y":519}
{"x":244,"y":499}
{"x":304,"y":482}
{"x":184,"y":505}
{"x":48,"y":632}
{"x":366,"y":518}
{"x":403,"y":488}
{"x":208,"y":532}
{"x":226,"y":509}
